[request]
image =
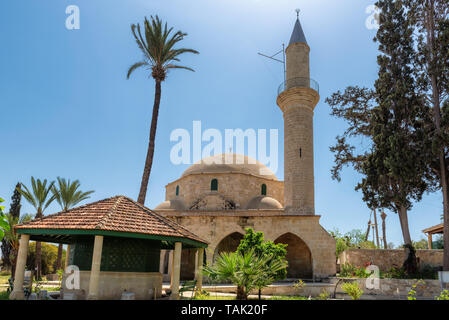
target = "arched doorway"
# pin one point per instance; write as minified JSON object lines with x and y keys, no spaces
{"x":228,"y":244}
{"x":299,"y":256}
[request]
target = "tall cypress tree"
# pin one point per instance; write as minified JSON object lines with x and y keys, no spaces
{"x":14,"y":210}
{"x":396,"y":170}
{"x":431,"y":22}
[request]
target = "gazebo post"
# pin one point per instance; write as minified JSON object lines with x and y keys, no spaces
{"x":176,"y":271}
{"x":199,"y":269}
{"x":67,"y":253}
{"x":429,"y":235}
{"x":17,"y":293}
{"x":95,"y":270}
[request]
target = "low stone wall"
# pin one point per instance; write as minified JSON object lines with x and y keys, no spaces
{"x":392,"y":288}
{"x":113,"y":284}
{"x":386,"y":259}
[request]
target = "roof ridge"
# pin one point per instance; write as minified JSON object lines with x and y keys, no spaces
{"x":174,"y":225}
{"x":67,"y":211}
{"x":111,"y":211}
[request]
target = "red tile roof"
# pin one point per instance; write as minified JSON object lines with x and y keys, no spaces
{"x":119,"y":213}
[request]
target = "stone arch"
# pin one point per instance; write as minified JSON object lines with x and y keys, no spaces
{"x":299,"y":256}
{"x":228,"y":243}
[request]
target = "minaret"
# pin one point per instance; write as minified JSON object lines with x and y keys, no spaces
{"x":297,"y":98}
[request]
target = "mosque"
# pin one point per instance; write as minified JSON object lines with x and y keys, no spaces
{"x":218,"y":199}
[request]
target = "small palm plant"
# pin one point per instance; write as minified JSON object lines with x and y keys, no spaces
{"x":4,"y":227}
{"x":40,"y":198}
{"x":159,"y":56}
{"x":246,"y":270}
{"x":13,"y":238}
{"x":67,"y":195}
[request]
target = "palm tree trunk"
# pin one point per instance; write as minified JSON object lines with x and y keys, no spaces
{"x":59,"y":260}
{"x":384,"y":229}
{"x":38,"y":262}
{"x":150,"y":152}
{"x":377,"y":230}
{"x":241,"y":294}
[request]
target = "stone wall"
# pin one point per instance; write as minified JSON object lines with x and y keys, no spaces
{"x":392,"y":288}
{"x":386,"y":259}
{"x":237,"y":187}
{"x":215,"y":226}
{"x":113,"y":284}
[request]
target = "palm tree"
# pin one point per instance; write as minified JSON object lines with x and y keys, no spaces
{"x":68,"y":196}
{"x":246,"y":270}
{"x":40,"y":198}
{"x":13,"y":238}
{"x":159,"y":56}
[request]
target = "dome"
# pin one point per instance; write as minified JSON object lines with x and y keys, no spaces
{"x":230,"y":163}
{"x":174,"y":204}
{"x":263,"y":202}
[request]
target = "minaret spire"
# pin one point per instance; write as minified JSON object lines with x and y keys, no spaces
{"x":298,"y":33}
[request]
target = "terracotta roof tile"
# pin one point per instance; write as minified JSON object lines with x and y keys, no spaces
{"x":118,"y":213}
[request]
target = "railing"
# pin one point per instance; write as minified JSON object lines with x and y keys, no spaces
{"x":299,"y":83}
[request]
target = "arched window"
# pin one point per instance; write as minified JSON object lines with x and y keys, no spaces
{"x":177,"y":190}
{"x":214,"y":185}
{"x":264,"y":189}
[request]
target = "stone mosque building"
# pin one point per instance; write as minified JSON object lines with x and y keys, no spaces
{"x":218,"y":199}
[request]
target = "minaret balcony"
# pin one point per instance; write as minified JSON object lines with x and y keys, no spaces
{"x":299,"y":83}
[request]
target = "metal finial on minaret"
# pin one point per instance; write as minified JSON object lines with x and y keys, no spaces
{"x":297,"y":13}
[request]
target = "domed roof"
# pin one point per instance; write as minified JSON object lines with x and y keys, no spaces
{"x":174,"y":204}
{"x":263,"y":202}
{"x":230,"y":163}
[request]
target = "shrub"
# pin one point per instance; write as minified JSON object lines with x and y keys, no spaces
{"x":444,"y":295}
{"x":348,"y":270}
{"x":352,"y":289}
{"x":49,"y":255}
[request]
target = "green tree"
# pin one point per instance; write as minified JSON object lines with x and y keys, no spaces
{"x":246,"y":270}
{"x":49,"y":254}
{"x":395,"y":172}
{"x":391,"y":118}
{"x":12,"y":238}
{"x":431,"y":21}
{"x":159,"y":56}
{"x":4,"y":226}
{"x":40,"y":198}
{"x":255,"y":241}
{"x":68,"y":195}
{"x":14,"y":210}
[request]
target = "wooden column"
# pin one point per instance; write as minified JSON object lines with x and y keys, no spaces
{"x":95,"y":270}
{"x":199,"y":269}
{"x":17,"y":293}
{"x":429,"y":235}
{"x":176,"y":271}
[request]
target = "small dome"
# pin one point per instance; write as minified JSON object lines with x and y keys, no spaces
{"x":174,"y":204}
{"x":230,"y":163}
{"x":263,"y":202}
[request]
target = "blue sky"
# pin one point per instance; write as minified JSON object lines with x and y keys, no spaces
{"x":67,"y":109}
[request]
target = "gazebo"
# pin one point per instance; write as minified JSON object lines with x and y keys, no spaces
{"x":438,"y":229}
{"x":115,"y":243}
